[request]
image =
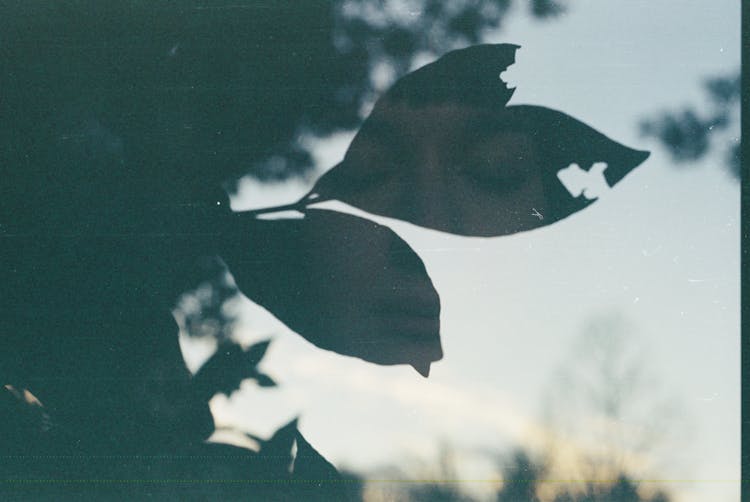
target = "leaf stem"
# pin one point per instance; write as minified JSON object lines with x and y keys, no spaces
{"x":307,"y":199}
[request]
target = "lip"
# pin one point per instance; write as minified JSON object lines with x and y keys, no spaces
{"x":346,"y":284}
{"x":406,"y":339}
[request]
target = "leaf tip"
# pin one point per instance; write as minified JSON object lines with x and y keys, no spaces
{"x":423,"y":368}
{"x":629,"y":160}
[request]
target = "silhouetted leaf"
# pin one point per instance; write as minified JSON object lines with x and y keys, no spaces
{"x":323,"y":481}
{"x":256,"y":352}
{"x":228,"y":367}
{"x":277,"y":450}
{"x":265,"y":380}
{"x":344,"y":283}
{"x":309,"y":464}
{"x":471,"y":171}
{"x":440,"y":150}
{"x":468,"y":76}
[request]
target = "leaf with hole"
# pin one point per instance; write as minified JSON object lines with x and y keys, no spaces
{"x":441,"y":150}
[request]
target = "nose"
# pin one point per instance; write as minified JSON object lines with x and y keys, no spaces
{"x":432,"y":188}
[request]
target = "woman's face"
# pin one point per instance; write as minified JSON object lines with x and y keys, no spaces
{"x":440,"y":165}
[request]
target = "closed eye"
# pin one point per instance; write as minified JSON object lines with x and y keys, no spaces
{"x":494,"y":176}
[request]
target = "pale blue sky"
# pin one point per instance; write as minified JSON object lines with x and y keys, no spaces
{"x":661,"y":249}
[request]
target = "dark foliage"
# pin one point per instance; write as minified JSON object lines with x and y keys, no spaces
{"x":689,"y":134}
{"x":156,"y":103}
{"x":380,"y":32}
{"x":203,"y":311}
{"x":200,"y":472}
{"x":126,"y":118}
{"x":546,"y":8}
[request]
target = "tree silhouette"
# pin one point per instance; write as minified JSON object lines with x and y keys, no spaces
{"x":605,"y":401}
{"x":521,"y":479}
{"x":523,"y":476}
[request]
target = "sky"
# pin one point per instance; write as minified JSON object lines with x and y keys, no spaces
{"x":661,"y":251}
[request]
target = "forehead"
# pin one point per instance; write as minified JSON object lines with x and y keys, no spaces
{"x":428,"y":123}
{"x":461,"y":129}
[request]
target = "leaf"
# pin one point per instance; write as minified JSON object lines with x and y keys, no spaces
{"x":309,"y":464}
{"x":440,"y":150}
{"x":228,"y":367}
{"x":470,"y":76}
{"x":256,"y":352}
{"x":277,"y":452}
{"x":322,"y":481}
{"x":265,"y":380}
{"x":344,"y":283}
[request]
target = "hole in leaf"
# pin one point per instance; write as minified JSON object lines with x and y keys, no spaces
{"x":591,"y":183}
{"x":507,"y":78}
